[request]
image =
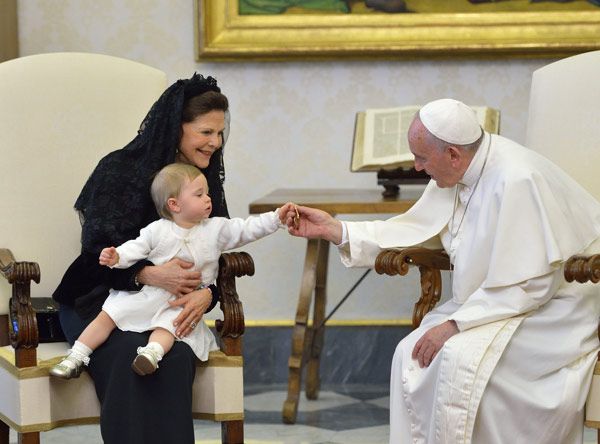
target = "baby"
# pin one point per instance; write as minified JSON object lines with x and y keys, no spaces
{"x":185,"y":231}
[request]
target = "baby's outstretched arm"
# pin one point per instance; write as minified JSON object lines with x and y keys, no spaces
{"x":109,"y":256}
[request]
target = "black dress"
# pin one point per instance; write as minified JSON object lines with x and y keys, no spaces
{"x":114,"y":205}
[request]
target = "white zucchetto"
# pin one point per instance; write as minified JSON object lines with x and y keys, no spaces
{"x":451,"y":121}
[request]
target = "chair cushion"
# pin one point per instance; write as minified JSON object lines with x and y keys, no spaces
{"x":592,"y":406}
{"x":33,"y":401}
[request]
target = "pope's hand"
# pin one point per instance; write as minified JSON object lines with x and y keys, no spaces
{"x":313,"y":224}
{"x":432,"y":342}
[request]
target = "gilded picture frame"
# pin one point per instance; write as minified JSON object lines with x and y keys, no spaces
{"x":222,"y":34}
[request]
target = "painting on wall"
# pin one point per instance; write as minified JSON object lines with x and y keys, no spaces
{"x":231,"y":30}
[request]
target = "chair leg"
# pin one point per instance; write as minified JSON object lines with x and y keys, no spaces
{"x":4,"y":431}
{"x":29,"y":438}
{"x":232,"y":432}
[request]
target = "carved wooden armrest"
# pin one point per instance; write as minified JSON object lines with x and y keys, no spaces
{"x":583,"y":269}
{"x":430,"y":262}
{"x":23,"y":330}
{"x":232,"y":265}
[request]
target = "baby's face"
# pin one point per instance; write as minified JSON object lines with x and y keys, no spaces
{"x":194,"y":200}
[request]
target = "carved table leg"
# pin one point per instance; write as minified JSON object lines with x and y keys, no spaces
{"x":313,"y":382}
{"x":301,"y":333}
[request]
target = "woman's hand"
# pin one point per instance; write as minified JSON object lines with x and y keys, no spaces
{"x":174,"y":276}
{"x":312,"y":223}
{"x":194,"y":305}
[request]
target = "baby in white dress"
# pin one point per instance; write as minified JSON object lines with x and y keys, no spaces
{"x":180,"y":194}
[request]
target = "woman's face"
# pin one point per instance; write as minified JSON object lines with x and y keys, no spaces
{"x":201,"y":138}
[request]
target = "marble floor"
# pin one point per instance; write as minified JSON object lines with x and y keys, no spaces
{"x":342,"y":415}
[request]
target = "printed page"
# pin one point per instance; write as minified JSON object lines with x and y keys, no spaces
{"x":407,"y":116}
{"x":386,"y":135}
{"x":489,"y":118}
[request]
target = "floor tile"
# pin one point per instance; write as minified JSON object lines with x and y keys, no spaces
{"x":383,"y":402}
{"x":350,"y":414}
{"x":273,"y":401}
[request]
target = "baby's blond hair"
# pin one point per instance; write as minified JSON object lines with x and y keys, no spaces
{"x":168,"y":183}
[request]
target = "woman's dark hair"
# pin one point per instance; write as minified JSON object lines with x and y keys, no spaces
{"x":203,"y":104}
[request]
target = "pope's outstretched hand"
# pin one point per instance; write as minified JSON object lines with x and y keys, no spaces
{"x":313,"y":224}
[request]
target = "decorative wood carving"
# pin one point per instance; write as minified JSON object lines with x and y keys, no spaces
{"x":430,"y":262}
{"x":583,"y":269}
{"x":231,"y":328}
{"x":23,"y":331}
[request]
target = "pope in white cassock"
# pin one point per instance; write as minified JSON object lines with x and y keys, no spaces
{"x":509,"y":358}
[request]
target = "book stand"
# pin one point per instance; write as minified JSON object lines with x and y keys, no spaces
{"x":392,"y":179}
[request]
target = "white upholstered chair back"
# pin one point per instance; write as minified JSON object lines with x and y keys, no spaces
{"x":59,"y":114}
{"x":564,"y":125}
{"x":564,"y":117}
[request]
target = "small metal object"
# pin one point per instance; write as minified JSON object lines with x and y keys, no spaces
{"x":296,"y":218}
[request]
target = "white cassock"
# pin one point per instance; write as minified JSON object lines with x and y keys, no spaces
{"x":520,"y":368}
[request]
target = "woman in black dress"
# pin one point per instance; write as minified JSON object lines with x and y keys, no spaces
{"x":188,"y":123}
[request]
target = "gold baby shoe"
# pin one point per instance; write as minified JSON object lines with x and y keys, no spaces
{"x":68,"y":368}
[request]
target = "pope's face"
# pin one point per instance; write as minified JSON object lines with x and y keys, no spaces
{"x":438,"y":163}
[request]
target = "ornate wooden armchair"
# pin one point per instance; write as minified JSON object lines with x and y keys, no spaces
{"x":59,"y":114}
{"x":563,"y":115}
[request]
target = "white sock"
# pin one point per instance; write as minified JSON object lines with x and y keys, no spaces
{"x":80,"y":350}
{"x":156,"y":348}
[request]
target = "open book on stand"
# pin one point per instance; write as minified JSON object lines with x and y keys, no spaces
{"x":381,"y":144}
{"x":380,"y":137}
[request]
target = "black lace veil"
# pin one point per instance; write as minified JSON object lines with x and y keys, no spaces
{"x":115,"y":202}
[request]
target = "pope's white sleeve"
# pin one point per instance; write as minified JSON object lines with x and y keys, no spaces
{"x":236,"y":232}
{"x":344,"y":240}
{"x":493,"y":304}
{"x":136,"y":249}
{"x":361,"y":248}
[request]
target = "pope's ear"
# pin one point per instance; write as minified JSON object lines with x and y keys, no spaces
{"x":455,"y":154}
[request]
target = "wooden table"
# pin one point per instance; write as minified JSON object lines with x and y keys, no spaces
{"x":307,"y":339}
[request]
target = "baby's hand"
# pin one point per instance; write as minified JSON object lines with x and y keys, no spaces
{"x":109,"y":256}
{"x":287,"y":212}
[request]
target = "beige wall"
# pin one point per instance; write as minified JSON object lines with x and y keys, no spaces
{"x":291,"y":124}
{"x":9,"y":46}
